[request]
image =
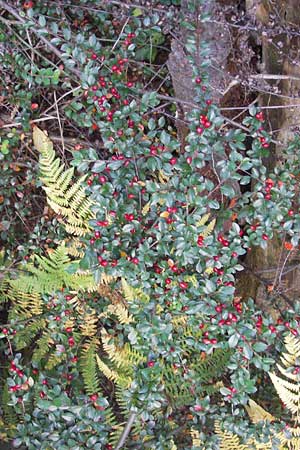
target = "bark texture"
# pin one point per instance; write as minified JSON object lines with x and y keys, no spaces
{"x":273,"y":270}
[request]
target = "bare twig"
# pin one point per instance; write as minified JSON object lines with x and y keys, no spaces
{"x":126,"y":431}
{"x":51,"y":47}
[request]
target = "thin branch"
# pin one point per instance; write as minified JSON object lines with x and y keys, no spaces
{"x":19,"y":124}
{"x":22,"y":21}
{"x":126,"y":431}
{"x":268,"y":76}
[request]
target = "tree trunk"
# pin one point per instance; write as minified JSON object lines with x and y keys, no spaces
{"x":279,"y":86}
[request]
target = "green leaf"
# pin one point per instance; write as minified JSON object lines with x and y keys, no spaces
{"x":260,"y":347}
{"x":99,"y":166}
{"x":137,"y":12}
{"x":233,"y":340}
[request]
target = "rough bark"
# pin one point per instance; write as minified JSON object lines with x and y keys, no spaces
{"x":271,"y":270}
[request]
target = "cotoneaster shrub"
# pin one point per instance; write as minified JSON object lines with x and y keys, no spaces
{"x":168,"y":240}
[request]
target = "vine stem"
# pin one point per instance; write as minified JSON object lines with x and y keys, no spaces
{"x":126,"y":431}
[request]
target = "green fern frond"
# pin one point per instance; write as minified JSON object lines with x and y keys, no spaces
{"x":9,"y":416}
{"x":54,"y":359}
{"x":25,"y":337}
{"x":65,"y":197}
{"x":212,"y":366}
{"x":88,"y":366}
{"x":177,"y":391}
{"x":52,"y":273}
{"x":44,"y":345}
{"x":132,"y":294}
{"x":112,"y":375}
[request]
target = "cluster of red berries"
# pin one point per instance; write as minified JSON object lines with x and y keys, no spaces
{"x":223,"y":241}
{"x":14,"y":368}
{"x":200,"y":240}
{"x":129,"y":38}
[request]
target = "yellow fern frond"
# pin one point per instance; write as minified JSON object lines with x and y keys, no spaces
{"x":146,"y":209}
{"x":106,"y":279}
{"x":110,"y":374}
{"x":208,"y":229}
{"x":227,"y":440}
{"x":288,"y":392}
{"x":179,"y":321}
{"x":163,"y":178}
{"x":202,"y":221}
{"x":121,"y":312}
{"x":195,"y":435}
{"x":88,"y":324}
{"x":257,"y":413}
{"x":288,"y":388}
{"x":65,"y":197}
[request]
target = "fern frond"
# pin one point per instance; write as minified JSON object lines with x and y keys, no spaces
{"x":113,"y":375}
{"x":195,"y":435}
{"x":201,"y":222}
{"x":227,"y":440}
{"x":74,"y":247}
{"x":208,"y":229}
{"x":54,"y":360}
{"x":51,"y":273}
{"x":121,"y":312}
{"x":88,"y":366}
{"x":88,"y":324}
{"x":288,"y":392}
{"x":43,"y":347}
{"x":257,"y":413}
{"x":67,"y":199}
{"x":132,"y":294}
{"x":24,"y":337}
{"x":107,"y":372}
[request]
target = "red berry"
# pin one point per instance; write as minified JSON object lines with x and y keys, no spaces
{"x":71,"y":341}
{"x":265,"y":237}
{"x":42,"y":394}
{"x":150,"y":363}
{"x":198,"y":408}
{"x":103,"y":263}
{"x":259,"y":116}
{"x":183,"y":284}
{"x":5,"y":331}
{"x":290,"y":213}
{"x":94,"y":397}
{"x":34,"y":106}
{"x":199,"y":130}
{"x":28,"y":5}
{"x":173,"y":161}
{"x":198,"y":80}
{"x":135,"y":260}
